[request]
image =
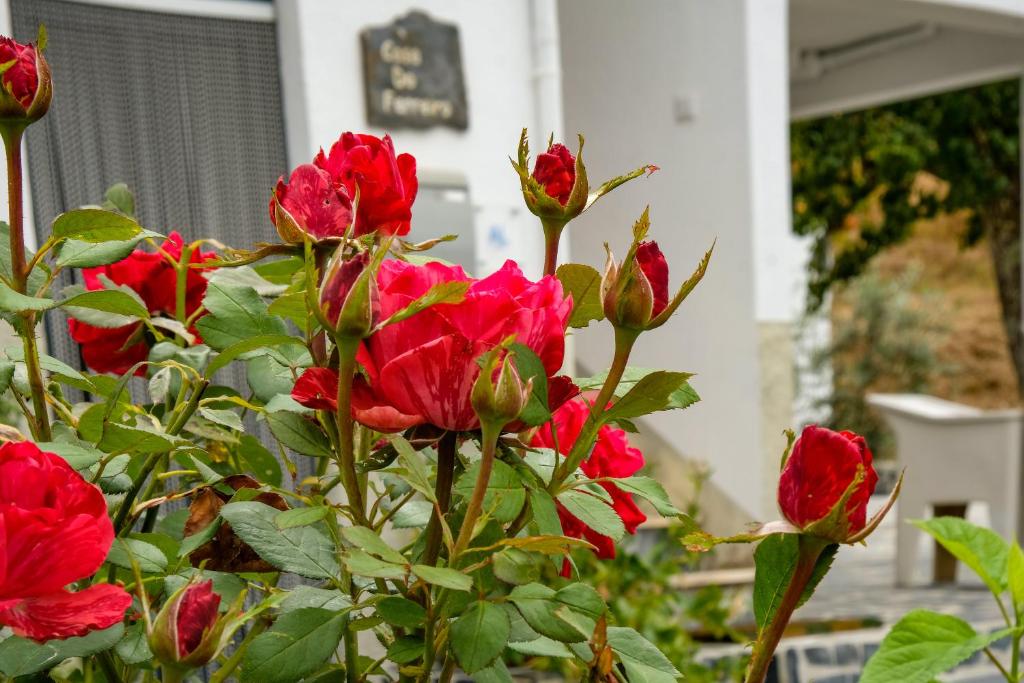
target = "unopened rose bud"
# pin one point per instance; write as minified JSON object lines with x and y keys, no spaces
{"x":826,"y":482}
{"x":187,"y":633}
{"x":635,"y":293}
{"x":349,"y":297}
{"x":310,"y":204}
{"x":500,"y":401}
{"x":557,"y":188}
{"x":25,"y":85}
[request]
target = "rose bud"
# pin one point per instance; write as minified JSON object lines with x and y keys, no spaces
{"x":635,"y":293}
{"x":350,"y":298}
{"x":499,"y":402}
{"x":825,"y":485}
{"x":556,"y":191}
{"x":187,"y":633}
{"x":310,"y":204}
{"x":25,"y":79}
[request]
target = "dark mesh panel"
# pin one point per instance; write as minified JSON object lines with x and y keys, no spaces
{"x":185,"y":110}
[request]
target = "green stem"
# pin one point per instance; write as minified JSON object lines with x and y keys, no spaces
{"x":552,"y":235}
{"x":347,"y":348}
{"x":19,"y":277}
{"x":41,"y":428}
{"x":476,"y":501}
{"x":769,"y":636}
{"x":1015,"y":660}
{"x":181,"y":284}
{"x":443,"y":493}
{"x":351,"y":654}
{"x":624,"y":340}
{"x":1002,"y":669}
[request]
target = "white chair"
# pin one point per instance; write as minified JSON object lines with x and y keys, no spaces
{"x":954,"y":454}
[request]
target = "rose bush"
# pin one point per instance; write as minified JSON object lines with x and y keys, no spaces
{"x":428,"y":465}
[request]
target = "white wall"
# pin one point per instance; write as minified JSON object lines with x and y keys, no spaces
{"x":322,"y":79}
{"x":624,"y":65}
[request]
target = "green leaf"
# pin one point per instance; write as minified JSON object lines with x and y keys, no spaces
{"x":367,"y":540}
{"x":298,"y":434}
{"x":364,"y":564}
{"x":775,"y":560}
{"x":495,"y":673}
{"x":658,"y":390}
{"x":246,"y":345}
{"x":643,"y":662}
{"x":13,"y":302}
{"x":584,"y":283}
{"x":309,"y":596}
{"x":545,"y":513}
{"x":922,"y":645}
{"x":413,"y":471}
{"x":94,"y":225}
{"x":122,"y":438}
{"x":302,"y":550}
{"x":78,"y":456}
{"x":1015,"y":576}
{"x":79,"y":254}
{"x":268,"y":378}
{"x":151,"y":560}
{"x":413,"y":515}
{"x":6,"y":374}
{"x":515,"y":566}
{"x":538,"y":606}
{"x":593,"y":512}
{"x":296,"y":645}
{"x":21,"y":656}
{"x":258,"y":460}
{"x":119,"y":198}
{"x":479,"y":635}
{"x":505,"y":493}
{"x":406,"y":649}
{"x":541,"y":647}
{"x":529,"y":366}
{"x":444,"y":577}
{"x":290,"y":519}
{"x":224,"y":417}
{"x":109,"y":301}
{"x":235,"y":315}
{"x":133,"y":648}
{"x":650,"y":490}
{"x":983,"y":550}
{"x":37,"y":278}
{"x":401,"y":612}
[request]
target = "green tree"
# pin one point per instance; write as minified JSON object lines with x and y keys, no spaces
{"x":868,"y":164}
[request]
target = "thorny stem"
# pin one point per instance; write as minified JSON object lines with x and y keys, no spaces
{"x":768,"y":638}
{"x":443,"y":493}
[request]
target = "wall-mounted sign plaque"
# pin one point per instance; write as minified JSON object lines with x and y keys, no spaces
{"x":412,"y":73}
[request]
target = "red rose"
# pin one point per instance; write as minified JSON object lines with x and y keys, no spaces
{"x":421,"y":370}
{"x":25,"y":83}
{"x":54,"y":530}
{"x":556,"y":171}
{"x":612,"y":457}
{"x":819,"y":470}
{"x":386,"y":184}
{"x":154,"y":278}
{"x":310,"y":203}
